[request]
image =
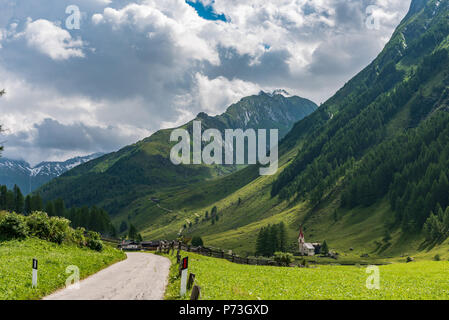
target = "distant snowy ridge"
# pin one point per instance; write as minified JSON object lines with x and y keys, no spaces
{"x":29,"y":178}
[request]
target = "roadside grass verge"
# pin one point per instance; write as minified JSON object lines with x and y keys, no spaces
{"x":16,"y":260}
{"x":223,"y":280}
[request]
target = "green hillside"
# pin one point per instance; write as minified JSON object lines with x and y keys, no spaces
{"x":117,"y":179}
{"x":364,"y":171}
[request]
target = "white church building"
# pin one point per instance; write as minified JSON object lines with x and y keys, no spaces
{"x":305,"y":249}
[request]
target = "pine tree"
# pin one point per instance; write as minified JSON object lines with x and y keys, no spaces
{"x":123,"y":226}
{"x":3,"y":191}
{"x":50,"y":209}
{"x":324,"y":248}
{"x":36,"y":203}
{"x":18,"y":199}
{"x":260,"y":243}
{"x":282,"y":237}
{"x":59,"y":207}
{"x":27,"y":209}
{"x":132,"y":234}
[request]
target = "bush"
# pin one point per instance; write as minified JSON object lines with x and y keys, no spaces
{"x":197,"y":242}
{"x":39,"y":225}
{"x":59,"y":229}
{"x":13,"y":226}
{"x":437,"y":258}
{"x":78,"y":237}
{"x":283,"y":258}
{"x":96,"y":245}
{"x":94,"y":241}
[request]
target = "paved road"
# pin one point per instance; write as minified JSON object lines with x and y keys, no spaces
{"x":142,"y":276}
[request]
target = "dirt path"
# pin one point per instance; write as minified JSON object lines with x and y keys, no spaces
{"x":142,"y":276}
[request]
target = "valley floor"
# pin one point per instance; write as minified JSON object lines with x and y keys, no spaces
{"x":222,"y":280}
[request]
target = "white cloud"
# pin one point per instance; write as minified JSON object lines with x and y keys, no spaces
{"x":213,"y":95}
{"x":51,"y":40}
{"x":176,"y":21}
{"x":156,"y":64}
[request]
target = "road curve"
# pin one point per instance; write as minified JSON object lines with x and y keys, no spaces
{"x":143,"y":276}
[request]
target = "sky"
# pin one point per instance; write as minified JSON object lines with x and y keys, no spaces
{"x":131,"y":68}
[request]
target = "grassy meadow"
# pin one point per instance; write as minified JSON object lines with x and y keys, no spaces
{"x":223,"y":280}
{"x":53,"y":259}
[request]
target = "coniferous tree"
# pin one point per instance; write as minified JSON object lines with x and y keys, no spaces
{"x":123,"y":226}
{"x":36,"y":203}
{"x":27,"y":206}
{"x":59,"y":207}
{"x":50,"y":209}
{"x":282,"y":237}
{"x":132,"y":234}
{"x":324,"y":248}
{"x":18,"y":199}
{"x":3,"y":191}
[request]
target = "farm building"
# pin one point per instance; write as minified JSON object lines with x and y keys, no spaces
{"x":150,"y":245}
{"x":129,"y":245}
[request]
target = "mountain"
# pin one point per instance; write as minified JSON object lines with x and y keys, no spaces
{"x":368,"y":170}
{"x":115,"y":180}
{"x":30,"y":178}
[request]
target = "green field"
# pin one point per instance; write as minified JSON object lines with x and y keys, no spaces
{"x":16,"y":261}
{"x":222,"y":280}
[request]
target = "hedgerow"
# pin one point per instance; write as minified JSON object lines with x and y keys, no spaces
{"x":41,"y":226}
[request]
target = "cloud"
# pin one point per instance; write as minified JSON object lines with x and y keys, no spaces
{"x":138,"y":66}
{"x":62,"y":141}
{"x":51,"y":40}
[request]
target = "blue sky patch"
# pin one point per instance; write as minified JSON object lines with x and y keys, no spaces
{"x":206,"y":12}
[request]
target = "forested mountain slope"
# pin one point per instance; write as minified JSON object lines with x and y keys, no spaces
{"x":368,"y":168}
{"x":117,"y":179}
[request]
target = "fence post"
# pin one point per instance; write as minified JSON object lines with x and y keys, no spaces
{"x":196,"y":291}
{"x":191,"y":280}
{"x":233,"y":257}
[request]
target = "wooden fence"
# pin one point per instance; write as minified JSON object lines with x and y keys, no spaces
{"x":172,"y":246}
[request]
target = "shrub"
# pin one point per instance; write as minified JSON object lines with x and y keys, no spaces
{"x":197,"y":242}
{"x":96,"y":245}
{"x":13,"y":226}
{"x":39,"y":225}
{"x":94,"y":241}
{"x":59,"y":229}
{"x":437,"y":257}
{"x":283,"y":258}
{"x":78,"y":237}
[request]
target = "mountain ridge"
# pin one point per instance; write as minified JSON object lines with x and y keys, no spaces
{"x":22,"y":173}
{"x":144,"y":167}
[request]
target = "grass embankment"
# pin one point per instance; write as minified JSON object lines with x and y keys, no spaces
{"x":222,"y":280}
{"x":16,"y":261}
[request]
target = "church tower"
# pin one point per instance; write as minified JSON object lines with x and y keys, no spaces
{"x":301,"y":241}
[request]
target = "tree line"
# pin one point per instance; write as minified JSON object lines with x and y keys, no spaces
{"x":94,"y":219}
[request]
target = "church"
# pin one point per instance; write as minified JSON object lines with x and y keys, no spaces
{"x":307,"y":249}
